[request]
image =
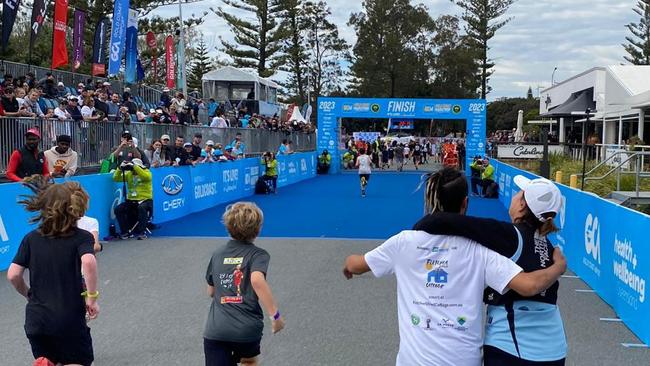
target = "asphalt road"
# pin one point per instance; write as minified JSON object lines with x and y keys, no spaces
{"x":153,"y":307}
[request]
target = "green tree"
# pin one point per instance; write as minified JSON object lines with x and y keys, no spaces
{"x":502,"y":114}
{"x":529,"y":93}
{"x":325,"y":49}
{"x":384,"y":63}
{"x":638,"y":44}
{"x":293,"y":48}
{"x":258,"y":41}
{"x":201,"y":65}
{"x":454,"y":68}
{"x":483,"y":18}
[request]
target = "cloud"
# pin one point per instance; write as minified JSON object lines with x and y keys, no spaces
{"x":573,"y":36}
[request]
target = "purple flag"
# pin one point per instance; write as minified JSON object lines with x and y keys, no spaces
{"x":78,"y":38}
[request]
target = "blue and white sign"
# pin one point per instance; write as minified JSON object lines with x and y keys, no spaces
{"x":177,"y":192}
{"x":605,"y":244}
{"x":331,"y":109}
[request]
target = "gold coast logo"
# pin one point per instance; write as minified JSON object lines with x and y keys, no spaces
{"x":457,"y":109}
{"x":375,"y":108}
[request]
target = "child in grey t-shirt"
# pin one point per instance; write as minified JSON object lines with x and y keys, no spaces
{"x":236,"y":278}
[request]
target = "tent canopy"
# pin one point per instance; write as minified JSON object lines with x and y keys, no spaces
{"x":229,"y":73}
{"x":297,"y":116}
{"x":577,"y":102}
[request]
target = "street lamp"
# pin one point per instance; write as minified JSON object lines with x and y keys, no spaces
{"x":553,"y":77}
{"x":588,"y":115}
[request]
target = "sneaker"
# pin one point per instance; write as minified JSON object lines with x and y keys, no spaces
{"x":142,"y":236}
{"x":126,"y":236}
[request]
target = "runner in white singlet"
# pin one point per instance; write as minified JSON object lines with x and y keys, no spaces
{"x":363,"y":163}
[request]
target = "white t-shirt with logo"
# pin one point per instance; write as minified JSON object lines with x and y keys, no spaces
{"x":440,"y":283}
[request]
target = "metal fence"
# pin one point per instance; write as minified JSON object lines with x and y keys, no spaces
{"x":72,"y":79}
{"x":95,"y":141}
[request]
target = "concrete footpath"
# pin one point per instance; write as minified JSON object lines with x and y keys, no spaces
{"x":153,"y":308}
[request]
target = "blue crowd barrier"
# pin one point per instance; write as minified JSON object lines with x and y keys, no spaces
{"x":177,"y":192}
{"x":605,"y":245}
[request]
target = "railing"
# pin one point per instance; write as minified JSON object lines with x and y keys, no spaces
{"x":617,"y":161}
{"x":94,"y":141}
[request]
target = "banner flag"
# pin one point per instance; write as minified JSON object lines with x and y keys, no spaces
{"x":180,"y":74}
{"x":9,"y":10}
{"x":38,"y":17}
{"x":78,"y":38}
{"x":118,"y":36}
{"x":131,"y":69}
{"x":140,"y":71}
{"x":169,"y":59}
{"x":99,"y":48}
{"x":153,"y":45}
{"x":59,"y":47}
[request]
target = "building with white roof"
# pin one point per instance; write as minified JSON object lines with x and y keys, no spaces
{"x":619,"y":97}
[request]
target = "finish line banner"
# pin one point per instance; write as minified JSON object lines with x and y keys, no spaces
{"x":605,"y":244}
{"x":177,"y":192}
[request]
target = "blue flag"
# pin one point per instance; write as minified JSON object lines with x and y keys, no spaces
{"x":131,"y":47}
{"x":118,"y":36}
{"x":140,"y":71}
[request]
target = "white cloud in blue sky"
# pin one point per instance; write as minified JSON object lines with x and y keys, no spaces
{"x":572,"y":35}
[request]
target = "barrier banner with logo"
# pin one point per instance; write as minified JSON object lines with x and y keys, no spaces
{"x":59,"y":47}
{"x":525,"y":151}
{"x":118,"y":36}
{"x":177,"y":192}
{"x":605,"y":245}
{"x":99,"y":48}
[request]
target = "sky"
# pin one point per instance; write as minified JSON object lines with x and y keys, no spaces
{"x":572,"y":35}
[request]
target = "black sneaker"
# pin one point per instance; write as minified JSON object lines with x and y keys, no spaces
{"x":142,"y":236}
{"x":126,"y":236}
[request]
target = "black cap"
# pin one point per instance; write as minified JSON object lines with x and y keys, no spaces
{"x":199,"y":135}
{"x":126,"y":134}
{"x":64,"y":138}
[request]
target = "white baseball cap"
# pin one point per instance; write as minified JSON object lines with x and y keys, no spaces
{"x":138,"y":162}
{"x":542,"y":196}
{"x":210,"y":143}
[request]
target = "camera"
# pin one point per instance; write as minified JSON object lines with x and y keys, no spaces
{"x":127,"y":165}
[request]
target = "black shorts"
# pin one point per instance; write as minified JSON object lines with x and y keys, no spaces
{"x":220,"y":353}
{"x":64,"y":349}
{"x":367,"y":176}
{"x":493,"y":356}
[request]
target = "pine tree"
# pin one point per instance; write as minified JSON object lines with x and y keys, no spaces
{"x":257,"y":42}
{"x":529,"y":94}
{"x":326,"y":50}
{"x":200,"y":66}
{"x":293,"y":48}
{"x":638,"y":46}
{"x":483,"y":18}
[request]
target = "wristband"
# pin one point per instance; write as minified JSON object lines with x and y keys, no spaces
{"x":90,"y":295}
{"x":276,"y":316}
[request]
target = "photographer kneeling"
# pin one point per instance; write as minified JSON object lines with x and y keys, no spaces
{"x":133,"y":214}
{"x":271,"y":173}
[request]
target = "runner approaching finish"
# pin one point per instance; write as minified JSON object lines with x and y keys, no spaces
{"x":417,"y":151}
{"x":522,"y":331}
{"x":55,"y":254}
{"x":236,"y":278}
{"x":363,"y":163}
{"x":440,"y":282}
{"x":399,"y":157}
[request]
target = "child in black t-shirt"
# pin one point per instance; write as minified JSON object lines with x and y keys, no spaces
{"x":55,"y":254}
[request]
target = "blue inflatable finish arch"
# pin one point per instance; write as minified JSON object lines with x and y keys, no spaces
{"x":330,"y":110}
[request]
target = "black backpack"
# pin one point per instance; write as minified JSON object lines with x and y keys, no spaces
{"x":263,"y":185}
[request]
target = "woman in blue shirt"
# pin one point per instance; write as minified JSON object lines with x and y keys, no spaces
{"x":520,"y":331}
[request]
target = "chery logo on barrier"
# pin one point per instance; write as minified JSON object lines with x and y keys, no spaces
{"x":592,"y":237}
{"x":172,"y":184}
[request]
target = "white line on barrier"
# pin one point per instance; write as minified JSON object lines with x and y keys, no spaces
{"x":634,"y":345}
{"x":569,"y":276}
{"x":586,"y":291}
{"x":613,"y":320}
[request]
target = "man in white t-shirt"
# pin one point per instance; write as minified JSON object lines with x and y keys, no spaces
{"x":440,"y":284}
